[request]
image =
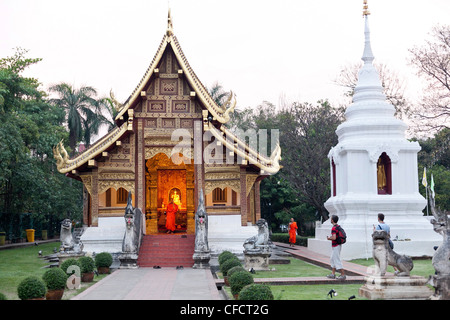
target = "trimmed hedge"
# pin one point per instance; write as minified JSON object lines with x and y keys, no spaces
{"x":55,"y":279}
{"x":225,"y":255}
{"x":70,"y":262}
{"x":228,"y":264}
{"x":87,"y":264}
{"x":256,"y":292}
{"x":284,"y":238}
{"x":103,"y":259}
{"x":235,"y":269}
{"x":239,"y":280}
{"x":31,"y":287}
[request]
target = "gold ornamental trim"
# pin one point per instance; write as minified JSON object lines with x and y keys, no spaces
{"x":219,"y":113}
{"x":267,"y":166}
{"x":210,"y":185}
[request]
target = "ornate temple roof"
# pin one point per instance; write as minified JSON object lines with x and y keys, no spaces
{"x":219,"y":113}
{"x":124,"y":120}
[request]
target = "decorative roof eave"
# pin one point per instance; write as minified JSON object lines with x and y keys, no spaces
{"x":66,"y":165}
{"x":266,"y":166}
{"x":219,"y":113}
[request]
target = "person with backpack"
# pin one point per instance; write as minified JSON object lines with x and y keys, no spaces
{"x":338,"y":237}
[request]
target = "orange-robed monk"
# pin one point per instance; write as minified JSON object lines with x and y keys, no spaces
{"x":292,"y":232}
{"x":172,"y":208}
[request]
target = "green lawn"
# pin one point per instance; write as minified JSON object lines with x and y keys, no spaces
{"x":422,"y":268}
{"x":17,"y":264}
{"x":316,"y":292}
{"x":299,"y":268}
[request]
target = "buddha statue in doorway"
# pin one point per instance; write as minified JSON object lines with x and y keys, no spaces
{"x":175,"y":195}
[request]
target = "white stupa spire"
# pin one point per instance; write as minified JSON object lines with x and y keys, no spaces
{"x":368,"y":55}
{"x":372,"y":138}
{"x":369,"y":114}
{"x":368,"y":76}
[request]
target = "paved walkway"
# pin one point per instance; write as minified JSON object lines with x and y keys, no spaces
{"x":199,"y":284}
{"x":154,"y":284}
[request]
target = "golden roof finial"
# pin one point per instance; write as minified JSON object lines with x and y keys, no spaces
{"x":366,"y":11}
{"x":169,"y":24}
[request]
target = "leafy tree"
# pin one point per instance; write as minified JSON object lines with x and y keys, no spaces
{"x":432,"y":61}
{"x":30,"y":127}
{"x":306,"y":135}
{"x":435,"y":156}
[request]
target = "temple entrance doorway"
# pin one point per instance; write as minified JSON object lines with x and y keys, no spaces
{"x":172,"y":189}
{"x":167,"y":181}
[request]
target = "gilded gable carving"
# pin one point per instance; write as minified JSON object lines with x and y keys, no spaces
{"x":180,"y":106}
{"x":222,"y":184}
{"x":251,"y":178}
{"x":168,"y":86}
{"x":104,"y":185}
{"x":87,"y":181}
{"x":157,"y":106}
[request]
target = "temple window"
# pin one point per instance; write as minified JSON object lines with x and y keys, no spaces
{"x":384,"y":177}
{"x":122,"y":196}
{"x":219,"y":195}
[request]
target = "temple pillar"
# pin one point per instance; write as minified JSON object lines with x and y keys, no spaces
{"x":94,"y":199}
{"x":257,"y":200}
{"x":140,"y":166}
{"x":190,"y":208}
{"x":243,"y":195}
{"x":153,"y":213}
{"x":85,"y":206}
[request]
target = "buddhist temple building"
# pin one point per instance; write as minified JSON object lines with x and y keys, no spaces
{"x":170,"y":141}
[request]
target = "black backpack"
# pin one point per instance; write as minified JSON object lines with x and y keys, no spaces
{"x":341,"y":236}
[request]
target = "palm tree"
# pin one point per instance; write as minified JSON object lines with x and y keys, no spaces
{"x":218,"y":94}
{"x":83,"y":112}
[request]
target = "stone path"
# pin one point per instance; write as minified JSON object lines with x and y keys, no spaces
{"x":154,"y":284}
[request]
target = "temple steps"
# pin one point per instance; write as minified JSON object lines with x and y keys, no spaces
{"x":166,"y":250}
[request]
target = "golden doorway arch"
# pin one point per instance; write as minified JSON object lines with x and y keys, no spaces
{"x":167,"y":180}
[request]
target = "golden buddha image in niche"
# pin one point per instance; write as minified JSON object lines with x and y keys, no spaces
{"x":381,"y":175}
{"x":175,"y":195}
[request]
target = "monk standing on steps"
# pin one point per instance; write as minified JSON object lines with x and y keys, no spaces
{"x":172,"y":208}
{"x":292,"y":232}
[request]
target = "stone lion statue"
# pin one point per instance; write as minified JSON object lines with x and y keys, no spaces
{"x":383,"y":256}
{"x":260,"y":242}
{"x":67,"y":241}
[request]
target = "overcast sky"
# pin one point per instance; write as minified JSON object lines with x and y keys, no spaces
{"x":260,"y":49}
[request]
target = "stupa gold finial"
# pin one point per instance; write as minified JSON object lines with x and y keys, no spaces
{"x":366,"y":11}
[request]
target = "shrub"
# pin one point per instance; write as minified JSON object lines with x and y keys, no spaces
{"x":256,"y":292}
{"x":103,"y":259}
{"x":228,"y":264}
{"x":70,"y":262}
{"x":239,"y":280}
{"x":3,"y":297}
{"x":87,"y":264}
{"x":225,"y":255}
{"x":284,"y":238}
{"x":235,"y":269}
{"x":31,"y":287}
{"x":55,"y":279}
